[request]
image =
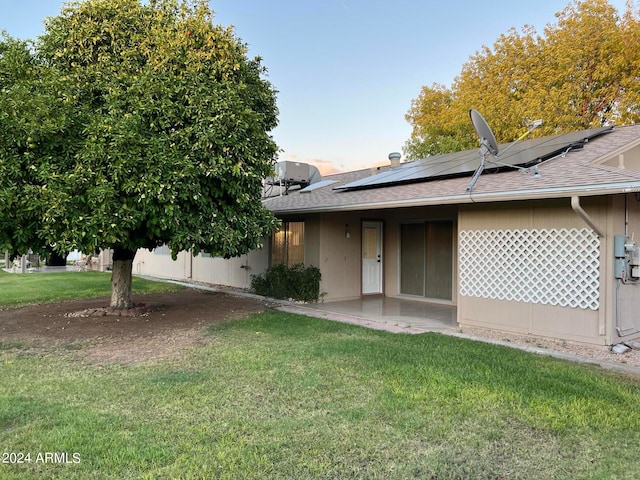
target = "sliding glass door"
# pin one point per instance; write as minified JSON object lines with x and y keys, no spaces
{"x":426,"y":259}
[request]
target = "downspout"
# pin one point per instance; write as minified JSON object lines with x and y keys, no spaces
{"x":575,"y":205}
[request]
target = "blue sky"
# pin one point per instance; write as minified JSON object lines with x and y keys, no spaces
{"x":347,"y":70}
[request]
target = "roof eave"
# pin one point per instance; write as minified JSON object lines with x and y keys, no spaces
{"x":514,"y":195}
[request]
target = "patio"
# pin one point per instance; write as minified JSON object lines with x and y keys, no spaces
{"x":385,"y":313}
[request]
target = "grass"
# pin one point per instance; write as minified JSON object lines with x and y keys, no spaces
{"x":23,"y":289}
{"x":284,"y":396}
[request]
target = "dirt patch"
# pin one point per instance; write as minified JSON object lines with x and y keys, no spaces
{"x":169,"y":325}
{"x":631,"y":356}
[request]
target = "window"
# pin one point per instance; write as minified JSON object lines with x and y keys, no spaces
{"x":287,"y":244}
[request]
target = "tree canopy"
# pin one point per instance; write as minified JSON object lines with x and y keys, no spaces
{"x":134,"y":124}
{"x":582,"y":72}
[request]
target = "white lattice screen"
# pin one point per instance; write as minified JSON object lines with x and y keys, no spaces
{"x":551,"y":267}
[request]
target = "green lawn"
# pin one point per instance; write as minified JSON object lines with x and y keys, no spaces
{"x":33,"y":288}
{"x":284,"y":396}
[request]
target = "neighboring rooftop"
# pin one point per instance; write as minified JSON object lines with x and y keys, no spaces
{"x":596,"y":168}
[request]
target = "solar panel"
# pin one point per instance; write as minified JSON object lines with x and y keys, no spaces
{"x":317,"y":185}
{"x":461,"y":164}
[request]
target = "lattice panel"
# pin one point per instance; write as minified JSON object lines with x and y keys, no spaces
{"x":552,"y":267}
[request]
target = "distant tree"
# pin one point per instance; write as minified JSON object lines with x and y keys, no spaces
{"x":582,"y":73}
{"x":130,"y":125}
{"x":435,"y":128}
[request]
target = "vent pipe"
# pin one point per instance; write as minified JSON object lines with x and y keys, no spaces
{"x":394,"y":158}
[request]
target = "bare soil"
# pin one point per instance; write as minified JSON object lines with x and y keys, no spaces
{"x":165,"y":326}
{"x":630,"y":357}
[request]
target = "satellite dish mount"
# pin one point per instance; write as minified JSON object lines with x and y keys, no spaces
{"x":488,"y":143}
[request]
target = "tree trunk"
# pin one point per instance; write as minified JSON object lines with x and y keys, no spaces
{"x":121,"y":279}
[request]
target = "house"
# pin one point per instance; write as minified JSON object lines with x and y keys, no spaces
{"x":542,"y":243}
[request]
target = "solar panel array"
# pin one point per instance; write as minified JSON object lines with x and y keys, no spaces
{"x":317,"y":185}
{"x":460,"y":164}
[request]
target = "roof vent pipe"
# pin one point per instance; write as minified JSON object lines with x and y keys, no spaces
{"x":394,"y":158}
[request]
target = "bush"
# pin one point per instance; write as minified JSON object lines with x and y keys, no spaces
{"x":297,"y":282}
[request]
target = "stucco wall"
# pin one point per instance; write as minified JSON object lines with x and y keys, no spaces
{"x":339,"y":250}
{"x":161,"y":265}
{"x":333,"y":243}
{"x":580,"y":324}
{"x":625,"y":315}
{"x":235,"y":272}
{"x":337,"y":237}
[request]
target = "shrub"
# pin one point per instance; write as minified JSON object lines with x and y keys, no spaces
{"x":297,"y":282}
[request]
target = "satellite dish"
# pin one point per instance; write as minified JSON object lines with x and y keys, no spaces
{"x":487,"y":138}
{"x":488,"y":144}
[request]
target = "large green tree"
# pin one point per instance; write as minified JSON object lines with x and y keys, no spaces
{"x":584,"y":71}
{"x":133,"y":124}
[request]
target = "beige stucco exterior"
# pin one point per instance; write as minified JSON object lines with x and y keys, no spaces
{"x":338,"y":256}
{"x":333,"y":242}
{"x":234,"y":272}
{"x":549,"y":239}
{"x":553,"y":321}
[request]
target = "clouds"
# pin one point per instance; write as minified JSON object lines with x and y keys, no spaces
{"x":325,"y":167}
{"x":331,"y":167}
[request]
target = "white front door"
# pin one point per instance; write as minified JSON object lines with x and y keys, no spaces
{"x":371,"y":257}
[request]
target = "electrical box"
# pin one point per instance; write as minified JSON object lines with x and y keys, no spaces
{"x":619,"y":242}
{"x":620,"y":267}
{"x":627,"y":258}
{"x":634,"y":262}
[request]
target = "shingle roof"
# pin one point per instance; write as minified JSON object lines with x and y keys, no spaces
{"x":579,"y":172}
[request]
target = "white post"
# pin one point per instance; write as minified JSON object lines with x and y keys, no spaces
{"x":23,"y":264}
